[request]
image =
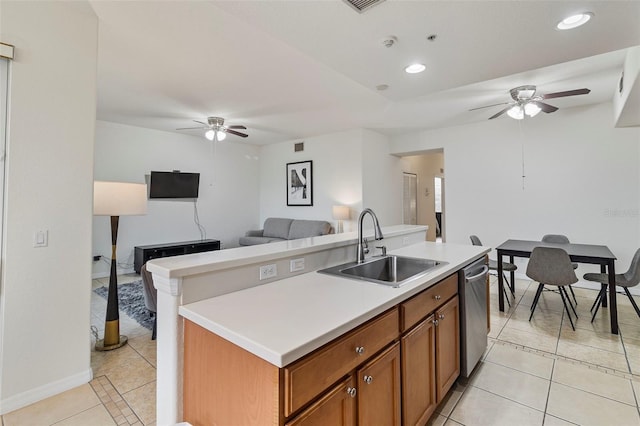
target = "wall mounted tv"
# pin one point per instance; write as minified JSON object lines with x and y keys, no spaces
{"x":174,"y":185}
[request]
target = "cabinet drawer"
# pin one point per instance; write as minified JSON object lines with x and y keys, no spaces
{"x":308,"y":377}
{"x":421,"y":305}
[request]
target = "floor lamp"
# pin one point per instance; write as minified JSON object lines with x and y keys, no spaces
{"x":116,"y":199}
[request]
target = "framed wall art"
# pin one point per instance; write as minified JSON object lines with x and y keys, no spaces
{"x":300,"y":184}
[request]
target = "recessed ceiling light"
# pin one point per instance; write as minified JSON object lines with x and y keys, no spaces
{"x":414,"y":68}
{"x":574,"y":21}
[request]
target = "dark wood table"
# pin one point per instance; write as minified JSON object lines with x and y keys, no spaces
{"x":579,"y":253}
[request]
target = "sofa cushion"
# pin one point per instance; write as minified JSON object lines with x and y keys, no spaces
{"x":251,"y":241}
{"x":277,"y":227}
{"x":308,"y":228}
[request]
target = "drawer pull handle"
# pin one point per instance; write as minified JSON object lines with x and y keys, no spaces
{"x":351,"y":392}
{"x":360,"y":350}
{"x":435,"y":322}
{"x":437,"y":297}
{"x":441,"y":316}
{"x":368,"y":379}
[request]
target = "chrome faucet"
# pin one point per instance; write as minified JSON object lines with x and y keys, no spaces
{"x":363,"y":248}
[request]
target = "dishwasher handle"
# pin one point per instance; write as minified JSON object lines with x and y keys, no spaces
{"x":472,"y":278}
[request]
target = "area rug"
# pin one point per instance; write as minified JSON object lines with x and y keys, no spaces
{"x":131,"y":302}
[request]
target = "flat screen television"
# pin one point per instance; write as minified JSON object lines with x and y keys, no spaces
{"x":174,"y":185}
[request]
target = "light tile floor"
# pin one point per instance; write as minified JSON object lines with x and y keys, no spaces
{"x":539,"y":372}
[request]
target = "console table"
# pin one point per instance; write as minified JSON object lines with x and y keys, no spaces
{"x":144,"y":253}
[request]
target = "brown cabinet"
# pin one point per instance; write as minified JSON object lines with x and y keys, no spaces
{"x":337,"y":407}
{"x":430,"y":351}
{"x":447,"y":347}
{"x":391,"y":370}
{"x":379,"y":389}
{"x":418,"y":373}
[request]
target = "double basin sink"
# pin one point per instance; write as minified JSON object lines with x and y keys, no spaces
{"x":390,"y":270}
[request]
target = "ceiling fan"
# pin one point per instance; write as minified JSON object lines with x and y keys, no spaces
{"x":215,"y":129}
{"x":526,"y":102}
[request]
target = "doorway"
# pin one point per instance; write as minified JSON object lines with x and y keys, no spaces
{"x":423,"y":187}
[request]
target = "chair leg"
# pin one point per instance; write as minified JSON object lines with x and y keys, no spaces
{"x":506,"y":296}
{"x":633,"y":302}
{"x":155,"y":323}
{"x":510,"y":286}
{"x":535,"y":300}
{"x":597,"y":301}
{"x":566,"y":308}
{"x":564,"y":290}
{"x":574,"y":295}
{"x":601,"y":295}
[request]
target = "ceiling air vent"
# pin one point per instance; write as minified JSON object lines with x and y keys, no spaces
{"x":362,"y":5}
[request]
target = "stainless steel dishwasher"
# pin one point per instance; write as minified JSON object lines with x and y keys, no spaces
{"x":472,"y":293}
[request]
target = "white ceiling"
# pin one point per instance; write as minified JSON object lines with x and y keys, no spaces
{"x":294,"y":69}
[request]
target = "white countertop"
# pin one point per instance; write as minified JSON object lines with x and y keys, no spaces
{"x":284,"y":320}
{"x":198,"y":263}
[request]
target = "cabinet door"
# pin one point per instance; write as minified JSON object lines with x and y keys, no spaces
{"x":337,"y":407}
{"x":379,"y":389}
{"x":447,"y":346}
{"x":418,"y":373}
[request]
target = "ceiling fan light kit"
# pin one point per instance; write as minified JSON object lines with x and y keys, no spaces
{"x":527,"y":102}
{"x":216,"y":130}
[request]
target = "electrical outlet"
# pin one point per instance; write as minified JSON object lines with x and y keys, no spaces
{"x":405,"y":241}
{"x":268,"y":271}
{"x":296,"y":265}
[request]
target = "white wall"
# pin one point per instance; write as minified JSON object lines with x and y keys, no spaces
{"x":44,"y":298}
{"x":381,"y":179}
{"x":228,"y":202}
{"x":352,"y":168}
{"x":337,"y":177}
{"x":582,"y":179}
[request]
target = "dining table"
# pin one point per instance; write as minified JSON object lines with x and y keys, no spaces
{"x":578,"y":253}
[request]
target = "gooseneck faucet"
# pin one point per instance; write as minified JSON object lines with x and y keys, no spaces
{"x":362,"y":242}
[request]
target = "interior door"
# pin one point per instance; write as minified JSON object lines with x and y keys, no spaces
{"x":410,"y":199}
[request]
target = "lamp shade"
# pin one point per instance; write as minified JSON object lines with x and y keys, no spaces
{"x":341,"y":212}
{"x":119,"y":198}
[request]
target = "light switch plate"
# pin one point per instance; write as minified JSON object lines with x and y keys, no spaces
{"x":296,"y":265}
{"x":41,"y":238}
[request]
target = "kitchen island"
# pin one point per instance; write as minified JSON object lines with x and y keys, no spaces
{"x":297,"y":350}
{"x":183,"y":280}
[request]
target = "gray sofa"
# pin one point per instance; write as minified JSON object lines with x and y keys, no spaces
{"x":281,"y":229}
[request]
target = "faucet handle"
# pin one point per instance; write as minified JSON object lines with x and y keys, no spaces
{"x":384,"y":249}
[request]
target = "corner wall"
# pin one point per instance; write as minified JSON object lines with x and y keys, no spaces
{"x":44,"y":297}
{"x":352,"y":168}
{"x":228,"y":202}
{"x":582,"y":179}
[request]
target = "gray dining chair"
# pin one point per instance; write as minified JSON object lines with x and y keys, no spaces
{"x":150,"y":297}
{"x":561,"y":239}
{"x":631,"y":278}
{"x":493,"y":266}
{"x":552,"y":266}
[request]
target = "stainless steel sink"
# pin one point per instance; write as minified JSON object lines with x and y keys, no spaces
{"x":389,"y":270}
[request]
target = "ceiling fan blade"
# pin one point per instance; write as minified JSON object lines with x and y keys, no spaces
{"x":206,"y":124}
{"x":192,"y":128}
{"x":500,"y":113}
{"x":236,"y":127}
{"x":233,"y":132}
{"x":489,"y":106}
{"x":567,"y":93}
{"x":545,"y":107}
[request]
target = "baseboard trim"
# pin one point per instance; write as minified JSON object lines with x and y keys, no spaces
{"x":38,"y":394}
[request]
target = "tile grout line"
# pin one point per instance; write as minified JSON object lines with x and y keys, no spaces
{"x":105,"y":390}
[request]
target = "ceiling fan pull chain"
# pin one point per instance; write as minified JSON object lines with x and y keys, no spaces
{"x":522,"y":149}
